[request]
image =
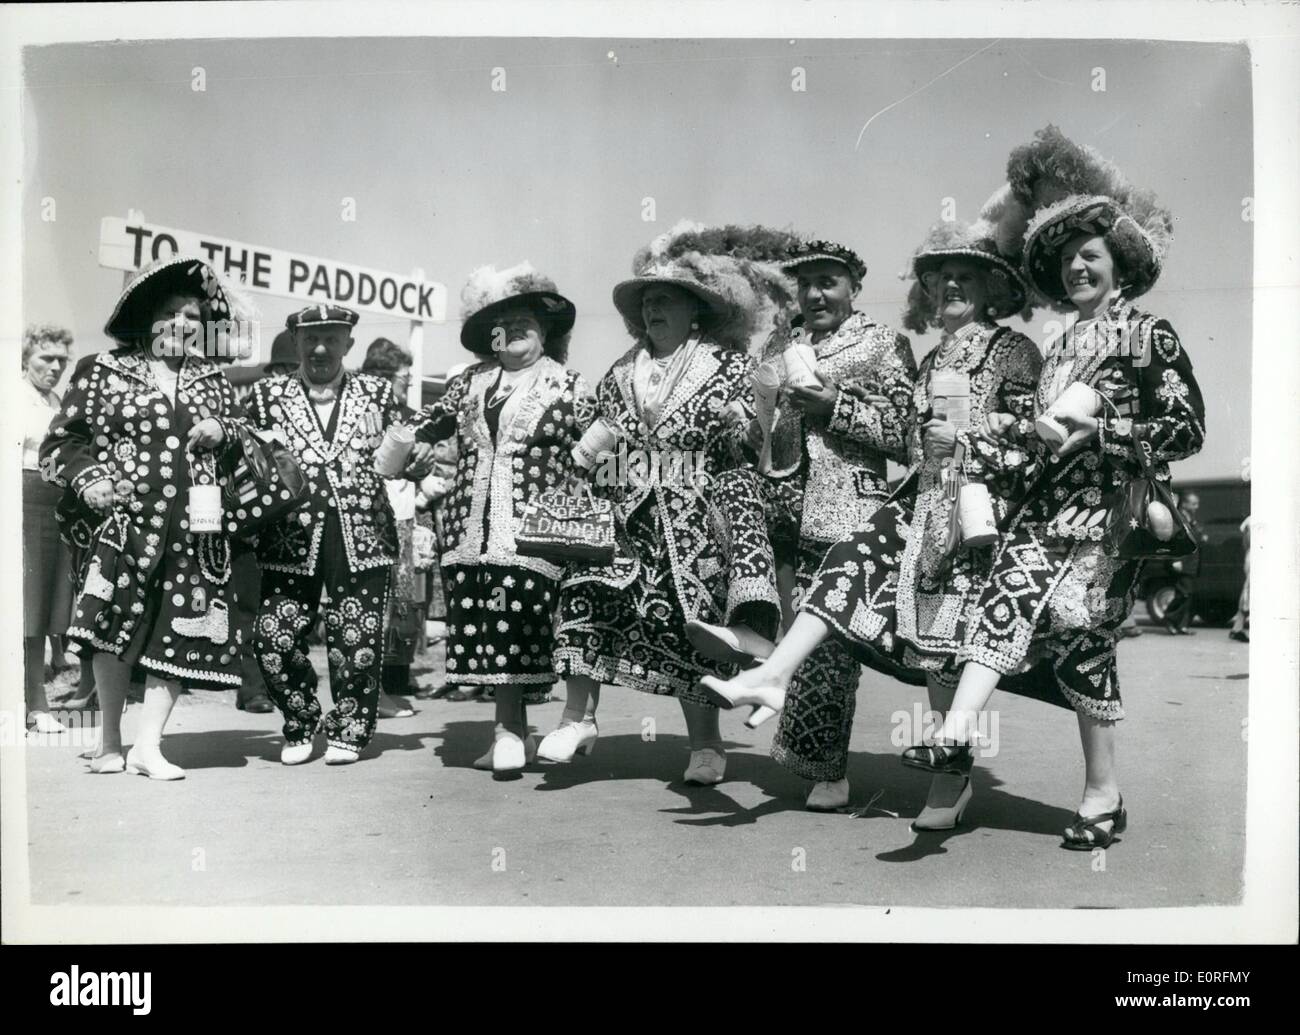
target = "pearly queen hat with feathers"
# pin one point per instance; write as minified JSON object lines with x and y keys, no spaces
{"x":734,"y":270}
{"x":490,"y":292}
{"x":1072,"y":189}
{"x":994,"y":241}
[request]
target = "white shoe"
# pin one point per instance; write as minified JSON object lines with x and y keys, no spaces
{"x":47,"y":723}
{"x":765,"y":701}
{"x":509,"y":752}
{"x":708,"y":766}
{"x":108,"y":763}
{"x":567,"y":739}
{"x":828,"y":796}
{"x":728,"y":643}
{"x":295,"y":754}
{"x":156,"y":768}
{"x":484,"y":761}
{"x":335,"y":755}
{"x":932,"y":818}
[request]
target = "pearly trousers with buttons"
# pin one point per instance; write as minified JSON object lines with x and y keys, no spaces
{"x":353,"y":604}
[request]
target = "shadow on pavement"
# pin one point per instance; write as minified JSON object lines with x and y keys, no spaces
{"x":990,"y":809}
{"x":232,"y":749}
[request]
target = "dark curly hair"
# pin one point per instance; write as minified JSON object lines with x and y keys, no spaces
{"x":384,"y":358}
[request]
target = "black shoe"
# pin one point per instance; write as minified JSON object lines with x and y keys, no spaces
{"x":943,"y":756}
{"x":259,"y":703}
{"x":1240,"y":637}
{"x":1083,"y":835}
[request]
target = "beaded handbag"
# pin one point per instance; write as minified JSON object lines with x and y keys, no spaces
{"x":560,"y":526}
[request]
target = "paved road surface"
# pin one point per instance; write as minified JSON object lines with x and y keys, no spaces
{"x":414,"y":824}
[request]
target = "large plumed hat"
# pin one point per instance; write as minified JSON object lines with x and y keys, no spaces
{"x":1072,"y":189}
{"x":489,"y":292}
{"x":734,"y":270}
{"x":994,"y":241}
{"x":132,"y":316}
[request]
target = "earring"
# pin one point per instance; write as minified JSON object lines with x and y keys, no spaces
{"x":991,"y":312}
{"x":695,"y":325}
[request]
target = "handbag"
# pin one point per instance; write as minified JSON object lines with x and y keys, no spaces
{"x":561,"y":526}
{"x":1144,"y":522}
{"x":1133,"y":528}
{"x":265,"y":485}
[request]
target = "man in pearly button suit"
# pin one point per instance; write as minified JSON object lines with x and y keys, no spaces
{"x":338,"y":547}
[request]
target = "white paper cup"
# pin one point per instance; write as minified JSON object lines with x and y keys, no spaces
{"x":204,"y":506}
{"x":1077,"y":401}
{"x":394,"y":450}
{"x":599,"y":438}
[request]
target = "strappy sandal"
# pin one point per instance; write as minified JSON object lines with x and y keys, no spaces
{"x":943,"y":756}
{"x":1084,"y":834}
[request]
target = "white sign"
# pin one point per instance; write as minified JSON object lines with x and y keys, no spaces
{"x":128,"y":245}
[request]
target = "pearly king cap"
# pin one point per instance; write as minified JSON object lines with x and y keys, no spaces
{"x":821,"y":251}
{"x":322,"y":315}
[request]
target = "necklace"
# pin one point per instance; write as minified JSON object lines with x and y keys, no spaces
{"x":956,"y":348}
{"x":214,"y":557}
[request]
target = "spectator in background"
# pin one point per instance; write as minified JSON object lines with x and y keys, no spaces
{"x":388,"y":360}
{"x":47,"y":591}
{"x":1241,"y":620}
{"x":284,"y":355}
{"x":1178,"y":615}
{"x":433,"y":491}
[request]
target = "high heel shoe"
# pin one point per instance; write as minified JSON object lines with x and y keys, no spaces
{"x":1084,"y":834}
{"x":568,"y":739}
{"x":943,"y":756}
{"x":737,"y":644}
{"x":766,"y":700}
{"x":933,"y":818}
{"x":156,"y":769}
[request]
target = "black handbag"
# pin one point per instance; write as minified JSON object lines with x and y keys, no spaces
{"x":1144,"y":522}
{"x":265,"y":485}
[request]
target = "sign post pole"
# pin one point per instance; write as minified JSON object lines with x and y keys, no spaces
{"x":415,"y":342}
{"x":135,"y":217}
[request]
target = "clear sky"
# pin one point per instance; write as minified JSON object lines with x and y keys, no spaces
{"x":448,"y":174}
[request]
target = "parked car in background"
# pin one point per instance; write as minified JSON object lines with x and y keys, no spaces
{"x":1225,"y":502}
